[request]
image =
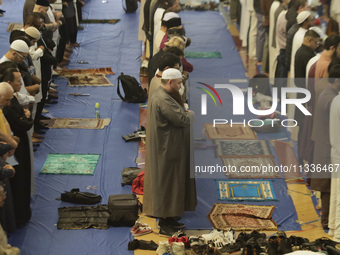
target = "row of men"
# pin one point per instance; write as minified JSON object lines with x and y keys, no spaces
{"x":272,"y":39}
{"x":297,"y":47}
{"x":45,"y":41}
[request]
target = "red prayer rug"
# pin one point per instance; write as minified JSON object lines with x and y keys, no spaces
{"x":241,"y":217}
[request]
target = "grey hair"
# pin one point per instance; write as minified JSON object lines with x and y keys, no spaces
{"x":4,"y":88}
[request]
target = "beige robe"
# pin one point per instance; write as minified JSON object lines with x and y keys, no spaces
{"x":172,"y":190}
{"x":334,"y":135}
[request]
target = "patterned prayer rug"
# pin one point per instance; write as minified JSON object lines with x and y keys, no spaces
{"x":14,"y":26}
{"x":242,"y":147}
{"x":100,"y":21}
{"x":197,"y":54}
{"x":250,"y":167}
{"x":103,"y":70}
{"x":77,"y":123}
{"x":88,"y":80}
{"x":241,"y":217}
{"x":236,"y":132}
{"x":70,"y":164}
{"x":236,"y":190}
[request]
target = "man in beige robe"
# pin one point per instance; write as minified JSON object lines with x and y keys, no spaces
{"x":334,"y":135}
{"x":172,"y":190}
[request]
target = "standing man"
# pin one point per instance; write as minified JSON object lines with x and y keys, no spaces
{"x":172,"y":190}
{"x":322,"y":144}
{"x":334,"y":135}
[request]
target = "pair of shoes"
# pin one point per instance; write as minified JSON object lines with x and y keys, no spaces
{"x":167,"y":231}
{"x":182,"y":239}
{"x":174,"y":248}
{"x":142,"y":245}
{"x":171,"y":222}
{"x":196,"y":240}
{"x":140,"y":229}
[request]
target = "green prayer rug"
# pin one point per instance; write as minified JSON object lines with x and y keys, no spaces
{"x":198,"y":54}
{"x":100,"y":21}
{"x":70,"y":164}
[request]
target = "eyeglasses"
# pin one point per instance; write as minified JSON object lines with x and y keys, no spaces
{"x":21,"y":55}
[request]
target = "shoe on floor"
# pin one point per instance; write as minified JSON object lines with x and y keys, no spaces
{"x":171,"y":222}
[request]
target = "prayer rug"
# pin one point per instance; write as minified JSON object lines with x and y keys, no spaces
{"x":100,"y":21}
{"x":242,"y":147}
{"x":88,"y":80}
{"x":83,"y":217}
{"x":234,"y":132}
{"x":77,"y":123}
{"x":241,"y":217}
{"x":103,"y":70}
{"x":14,"y":26}
{"x":198,"y":54}
{"x":236,"y":190}
{"x":288,"y":162}
{"x":250,"y":167}
{"x":70,"y":164}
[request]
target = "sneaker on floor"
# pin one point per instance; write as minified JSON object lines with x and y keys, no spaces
{"x":178,"y":248}
{"x":163,"y":247}
{"x":142,"y":231}
{"x":167,"y":231}
{"x":213,"y":234}
{"x":137,"y":225}
{"x":195,"y":240}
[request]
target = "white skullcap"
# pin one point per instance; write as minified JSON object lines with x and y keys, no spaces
{"x":33,"y":32}
{"x":302,"y":16}
{"x":20,"y":46}
{"x":171,"y":73}
{"x":170,"y":15}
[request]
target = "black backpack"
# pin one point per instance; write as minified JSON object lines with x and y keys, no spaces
{"x":134,"y":93}
{"x":130,"y":6}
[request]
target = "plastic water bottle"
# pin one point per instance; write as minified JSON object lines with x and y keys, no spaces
{"x":97,"y":111}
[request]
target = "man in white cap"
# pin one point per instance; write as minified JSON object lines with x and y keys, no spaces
{"x":17,"y":53}
{"x":305,"y":21}
{"x":170,"y":190}
{"x":170,"y":19}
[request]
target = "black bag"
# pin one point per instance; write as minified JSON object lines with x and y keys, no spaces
{"x":260,"y":84}
{"x":129,"y":174}
{"x":132,"y":89}
{"x":130,"y":6}
{"x":77,"y":197}
{"x":123,"y":209}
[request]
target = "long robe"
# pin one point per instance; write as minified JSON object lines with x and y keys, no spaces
{"x":147,"y":192}
{"x":244,"y":23}
{"x":173,"y":192}
{"x":273,"y":51}
{"x":21,"y":182}
{"x":334,"y":135}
